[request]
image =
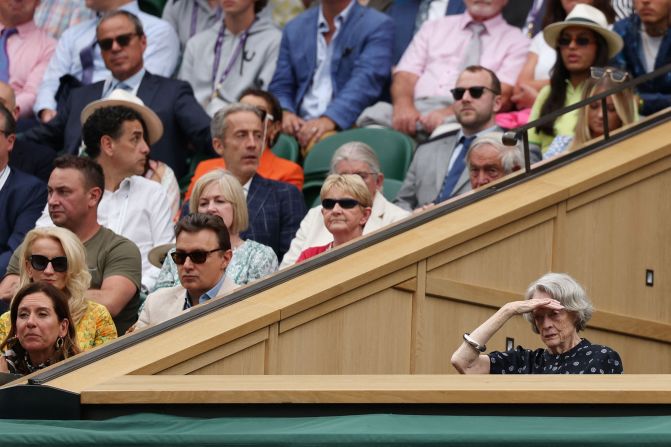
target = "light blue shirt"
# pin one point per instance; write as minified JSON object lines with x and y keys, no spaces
{"x":207,"y":296}
{"x":160,"y":57}
{"x":318,"y":96}
{"x":132,"y":83}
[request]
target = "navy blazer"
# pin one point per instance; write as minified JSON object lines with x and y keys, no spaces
{"x":276,"y":210}
{"x":22,"y":200}
{"x":360,"y":67}
{"x":184,"y":121}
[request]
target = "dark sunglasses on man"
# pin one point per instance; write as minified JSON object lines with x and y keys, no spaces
{"x":616,"y":75}
{"x":123,"y":40}
{"x":346,"y":204}
{"x":475,"y":92}
{"x":40,"y":263}
{"x":196,"y":256}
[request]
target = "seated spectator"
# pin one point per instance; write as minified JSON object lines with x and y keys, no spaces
{"x":275,"y":208}
{"x":25,"y":51}
{"x":582,"y":41}
{"x":41,"y":333}
{"x":22,"y":196}
{"x":56,"y":16}
{"x":437,"y":171}
{"x":78,"y":53}
{"x":27,"y":156}
{"x":191,"y":17}
{"x":350,"y":158}
{"x":621,"y":106}
{"x":334,"y":61}
{"x":346,"y":206}
{"x":76,"y":186}
{"x":420,"y":88}
{"x":202,"y":253}
{"x":56,"y":256}
{"x":184,"y":121}
{"x":489,"y":159}
{"x":648,"y":48}
{"x":270,"y":165}
{"x":224,"y":60}
{"x":535,"y":73}
{"x":219,"y":193}
{"x":557,"y":308}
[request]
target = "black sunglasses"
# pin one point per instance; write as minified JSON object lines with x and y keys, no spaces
{"x":581,"y":41}
{"x":39,"y":262}
{"x":347,"y":204}
{"x":616,"y":75}
{"x":122,"y":40}
{"x":196,"y":256}
{"x":475,"y":92}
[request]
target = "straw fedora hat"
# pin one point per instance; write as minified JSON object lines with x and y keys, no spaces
{"x":585,"y":16}
{"x":120,"y":97}
{"x":157,"y":254}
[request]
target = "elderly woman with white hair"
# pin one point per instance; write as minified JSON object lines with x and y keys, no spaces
{"x":557,"y":308}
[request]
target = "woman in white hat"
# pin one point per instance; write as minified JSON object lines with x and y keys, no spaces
{"x":582,"y":40}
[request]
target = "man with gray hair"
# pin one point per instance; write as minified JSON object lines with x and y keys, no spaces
{"x":489,"y":159}
{"x":350,"y":158}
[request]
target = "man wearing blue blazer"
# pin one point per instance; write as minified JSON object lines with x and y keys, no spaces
{"x":334,"y":62}
{"x":122,"y":43}
{"x":22,"y":196}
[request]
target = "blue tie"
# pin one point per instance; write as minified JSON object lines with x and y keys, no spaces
{"x":86,"y":56}
{"x":4,"y":56}
{"x":455,"y":7}
{"x":454,"y":174}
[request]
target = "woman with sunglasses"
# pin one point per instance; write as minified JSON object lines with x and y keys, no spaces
{"x":41,"y":332}
{"x":582,"y":41}
{"x":621,"y":110}
{"x":219,"y":193}
{"x":346,"y":206}
{"x":56,"y":256}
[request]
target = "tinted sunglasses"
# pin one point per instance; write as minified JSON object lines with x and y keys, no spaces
{"x":475,"y":92}
{"x":122,"y":40}
{"x":196,"y":256}
{"x":40,"y":263}
{"x":346,"y":204}
{"x":616,"y":75}
{"x":581,"y":41}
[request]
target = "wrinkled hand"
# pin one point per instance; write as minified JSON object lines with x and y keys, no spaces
{"x":47,"y":115}
{"x":313,"y":130}
{"x":404,"y":119}
{"x":435,"y":118}
{"x":419,"y":209}
{"x":524,"y":96}
{"x":526,"y":306}
{"x":291,"y":123}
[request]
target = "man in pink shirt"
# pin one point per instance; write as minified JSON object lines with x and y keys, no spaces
{"x":25,"y":51}
{"x":441,"y":49}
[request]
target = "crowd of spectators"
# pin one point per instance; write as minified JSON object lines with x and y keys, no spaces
{"x":106,"y":111}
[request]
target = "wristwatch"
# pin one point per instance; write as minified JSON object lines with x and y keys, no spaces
{"x":477,"y":346}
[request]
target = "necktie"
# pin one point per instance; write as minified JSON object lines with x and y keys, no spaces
{"x":4,"y":56}
{"x":455,"y":7}
{"x":454,"y":174}
{"x":474,"y":48}
{"x":86,"y":58}
{"x":422,"y":13}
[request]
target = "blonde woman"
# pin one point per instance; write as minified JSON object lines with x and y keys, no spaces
{"x":56,"y":256}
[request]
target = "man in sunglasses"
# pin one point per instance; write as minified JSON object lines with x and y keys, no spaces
{"x":123,"y":45}
{"x":202,"y":253}
{"x":438,"y":169}
{"x":647,"y":48}
{"x":441,"y":49}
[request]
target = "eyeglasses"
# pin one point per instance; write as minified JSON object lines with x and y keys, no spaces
{"x":346,"y":204}
{"x":40,"y":263}
{"x":581,"y":41}
{"x":122,"y":40}
{"x":196,"y":256}
{"x":616,"y":75}
{"x":475,"y":92}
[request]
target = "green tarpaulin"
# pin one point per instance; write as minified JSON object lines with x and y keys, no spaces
{"x":361,"y":430}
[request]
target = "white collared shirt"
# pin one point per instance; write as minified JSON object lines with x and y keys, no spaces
{"x":4,"y":174}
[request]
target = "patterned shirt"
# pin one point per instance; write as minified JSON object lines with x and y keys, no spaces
{"x":583,"y":358}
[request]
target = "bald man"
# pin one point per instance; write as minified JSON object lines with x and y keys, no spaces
{"x":32,"y":158}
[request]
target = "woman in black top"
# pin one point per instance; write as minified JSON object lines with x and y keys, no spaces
{"x":557,"y":308}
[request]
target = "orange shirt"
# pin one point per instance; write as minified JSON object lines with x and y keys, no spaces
{"x":270,"y":166}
